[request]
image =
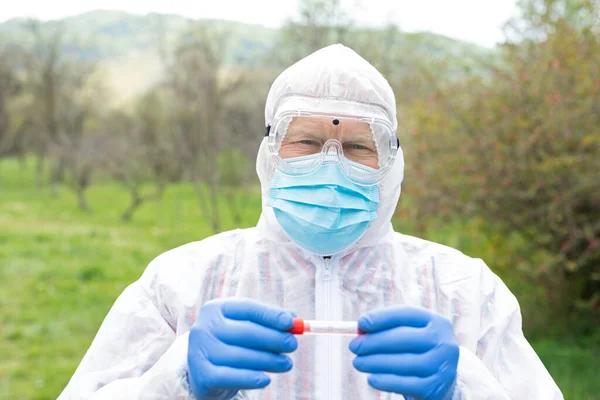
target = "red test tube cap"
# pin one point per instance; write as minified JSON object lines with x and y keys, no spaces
{"x":297,"y":327}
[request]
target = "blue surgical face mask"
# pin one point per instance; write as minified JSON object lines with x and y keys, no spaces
{"x":323,"y":212}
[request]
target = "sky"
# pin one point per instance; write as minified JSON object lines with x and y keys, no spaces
{"x":477,"y":21}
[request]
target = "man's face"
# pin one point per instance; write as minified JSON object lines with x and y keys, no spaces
{"x":306,"y":136}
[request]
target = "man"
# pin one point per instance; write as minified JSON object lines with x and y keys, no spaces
{"x":210,"y":320}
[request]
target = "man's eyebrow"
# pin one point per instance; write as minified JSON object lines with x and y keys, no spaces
{"x":362,"y":138}
{"x":306,"y":132}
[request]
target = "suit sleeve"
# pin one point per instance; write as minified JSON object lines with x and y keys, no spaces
{"x":504,"y":366}
{"x":136,"y":353}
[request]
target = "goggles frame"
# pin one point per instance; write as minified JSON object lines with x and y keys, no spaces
{"x":357,"y":173}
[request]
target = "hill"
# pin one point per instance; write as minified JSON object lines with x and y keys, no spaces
{"x":108,"y":35}
{"x":127,"y":44}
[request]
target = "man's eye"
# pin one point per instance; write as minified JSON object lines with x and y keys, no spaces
{"x":308,"y":142}
{"x":354,"y":146}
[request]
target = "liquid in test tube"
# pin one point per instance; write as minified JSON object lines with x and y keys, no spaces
{"x":314,"y":327}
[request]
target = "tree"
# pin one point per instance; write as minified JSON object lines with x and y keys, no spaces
{"x":82,"y":160}
{"x":80,"y":148}
{"x":522,"y":149}
{"x":140,"y":152}
{"x":52,"y":76}
{"x":10,"y":86}
{"x":539,"y":18}
{"x":233,"y":173}
{"x":201,"y":88}
{"x":320,"y":23}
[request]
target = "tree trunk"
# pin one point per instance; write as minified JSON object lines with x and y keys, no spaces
{"x":39,"y":169}
{"x":204,"y":206}
{"x":238,"y":211}
{"x":214,"y":200}
{"x":234,"y":207}
{"x":136,"y":201}
{"x":58,"y":176}
{"x":83,"y":204}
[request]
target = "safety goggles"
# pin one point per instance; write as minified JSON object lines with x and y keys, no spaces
{"x":356,"y":135}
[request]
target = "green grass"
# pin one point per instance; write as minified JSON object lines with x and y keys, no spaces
{"x":61,"y":269}
{"x":574,"y":368}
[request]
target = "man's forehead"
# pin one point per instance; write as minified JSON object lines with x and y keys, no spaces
{"x":320,"y":125}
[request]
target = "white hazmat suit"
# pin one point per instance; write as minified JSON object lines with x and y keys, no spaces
{"x":141,"y":348}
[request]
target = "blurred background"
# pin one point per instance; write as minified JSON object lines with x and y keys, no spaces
{"x":129,"y":131}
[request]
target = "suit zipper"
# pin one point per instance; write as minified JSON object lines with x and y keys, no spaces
{"x":327,"y":280}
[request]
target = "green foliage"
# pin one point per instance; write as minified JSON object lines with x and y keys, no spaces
{"x":539,"y":17}
{"x":521,"y":149}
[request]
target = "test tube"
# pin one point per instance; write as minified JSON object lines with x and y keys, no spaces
{"x":314,"y":327}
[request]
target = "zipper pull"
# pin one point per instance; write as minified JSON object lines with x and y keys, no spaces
{"x":327,"y":273}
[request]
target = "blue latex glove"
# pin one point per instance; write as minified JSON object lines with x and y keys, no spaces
{"x":232,"y":342}
{"x":409,"y":351}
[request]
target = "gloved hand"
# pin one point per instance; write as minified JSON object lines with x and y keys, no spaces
{"x":409,"y":351}
{"x":232,"y":342}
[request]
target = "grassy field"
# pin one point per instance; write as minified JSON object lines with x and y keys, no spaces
{"x":61,"y":269}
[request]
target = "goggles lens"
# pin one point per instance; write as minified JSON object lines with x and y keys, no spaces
{"x":365,"y":147}
{"x":308,"y":136}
